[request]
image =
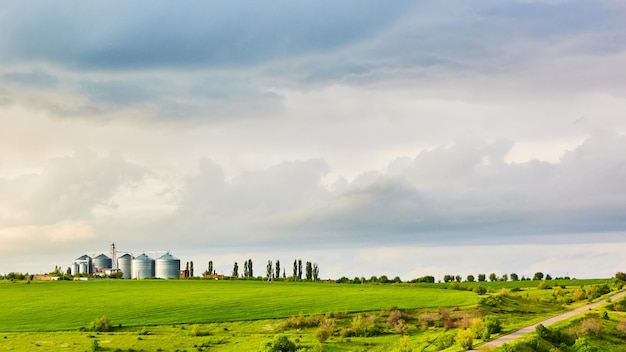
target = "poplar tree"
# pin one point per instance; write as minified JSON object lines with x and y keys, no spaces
{"x":250,"y":273}
{"x":210,"y":267}
{"x":277,"y":269}
{"x":309,"y":271}
{"x":295,"y":269}
{"x":269,"y":270}
{"x":316,"y":272}
{"x":245,"y":269}
{"x":236,"y":270}
{"x":299,"y":269}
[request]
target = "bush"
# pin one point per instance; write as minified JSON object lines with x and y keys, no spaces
{"x":492,"y":324}
{"x":325,"y":330}
{"x":465,"y":338}
{"x":279,"y":344}
{"x":480,"y":290}
{"x":446,"y":340}
{"x":101,"y":324}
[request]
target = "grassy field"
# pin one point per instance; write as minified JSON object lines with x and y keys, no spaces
{"x":53,"y":306}
{"x":199,"y":315}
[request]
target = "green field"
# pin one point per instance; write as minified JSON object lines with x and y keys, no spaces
{"x":239,"y":315}
{"x":54,"y":306}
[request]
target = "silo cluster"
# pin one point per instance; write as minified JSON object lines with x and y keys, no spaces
{"x":141,"y":267}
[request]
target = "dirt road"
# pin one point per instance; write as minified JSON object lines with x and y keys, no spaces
{"x":514,"y":335}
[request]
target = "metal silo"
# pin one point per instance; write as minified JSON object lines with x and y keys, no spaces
{"x":84,"y":264}
{"x":142,"y":267}
{"x":75,"y":268}
{"x":167,"y":267}
{"x":102,"y":262}
{"x":124,"y":264}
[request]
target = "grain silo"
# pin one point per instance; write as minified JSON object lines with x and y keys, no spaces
{"x":124,"y":263}
{"x":83,"y":264}
{"x":142,"y":267}
{"x":167,"y":267}
{"x":102,"y":262}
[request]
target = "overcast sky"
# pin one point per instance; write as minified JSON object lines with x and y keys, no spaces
{"x":399,"y":138}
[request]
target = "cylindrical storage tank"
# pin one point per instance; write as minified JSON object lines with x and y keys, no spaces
{"x":142,"y":267}
{"x":124,"y":263}
{"x":84,"y":268}
{"x":75,"y":268}
{"x":167,"y":267}
{"x":102,"y":262}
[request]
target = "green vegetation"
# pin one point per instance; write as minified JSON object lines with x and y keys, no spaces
{"x":53,"y":306}
{"x":244,"y":315}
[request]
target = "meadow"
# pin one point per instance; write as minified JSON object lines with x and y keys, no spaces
{"x":239,"y":315}
{"x":66,"y":305}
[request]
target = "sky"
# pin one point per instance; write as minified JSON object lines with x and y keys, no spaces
{"x":395,"y":138}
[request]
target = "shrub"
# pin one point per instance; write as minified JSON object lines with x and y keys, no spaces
{"x":446,"y":340}
{"x":492,"y":324}
{"x":364,"y":326}
{"x":394,"y":317}
{"x":195,"y":330}
{"x":101,"y":324}
{"x":465,"y":338}
{"x":325,"y":330}
{"x":279,"y":344}
{"x":480,"y":290}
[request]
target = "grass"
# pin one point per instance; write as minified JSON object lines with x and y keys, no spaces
{"x":194,"y":315}
{"x":54,"y":306}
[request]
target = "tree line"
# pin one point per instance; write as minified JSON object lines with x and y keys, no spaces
{"x":273,"y":271}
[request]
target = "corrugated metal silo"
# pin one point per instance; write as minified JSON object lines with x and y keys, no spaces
{"x":102,"y":262}
{"x":75,"y":268}
{"x":167,"y":267}
{"x":124,"y":264}
{"x":142,"y":267}
{"x":84,"y":264}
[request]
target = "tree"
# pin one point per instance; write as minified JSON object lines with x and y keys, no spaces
{"x":316,"y":272}
{"x":504,"y":277}
{"x":250,"y":273}
{"x":620,"y":276}
{"x":299,"y":269}
{"x":295,"y":269}
{"x":245,"y":269}
{"x":514,"y":277}
{"x":277,"y":275}
{"x":269,"y":270}
{"x":236,"y":270}
{"x":458,"y":278}
{"x":191,"y":269}
{"x":448,"y":278}
{"x":493,"y":277}
{"x":470,"y":278}
{"x":548,"y":277}
{"x":210,"y":269}
{"x":538,"y":276}
{"x":482,"y":277}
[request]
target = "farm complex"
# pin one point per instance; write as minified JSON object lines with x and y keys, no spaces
{"x":142,"y":266}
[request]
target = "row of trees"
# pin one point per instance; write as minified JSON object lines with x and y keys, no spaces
{"x":493,"y":277}
{"x":273,"y":270}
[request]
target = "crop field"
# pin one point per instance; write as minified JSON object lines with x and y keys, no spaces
{"x":239,"y":315}
{"x":54,"y":306}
